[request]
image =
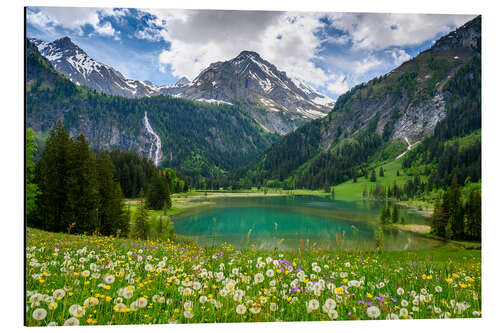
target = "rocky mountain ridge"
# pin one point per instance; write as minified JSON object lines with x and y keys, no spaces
{"x":276,"y":102}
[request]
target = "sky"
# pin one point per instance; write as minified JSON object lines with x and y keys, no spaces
{"x":330,"y":51}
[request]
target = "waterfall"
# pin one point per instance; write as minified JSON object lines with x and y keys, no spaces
{"x":156,"y":144}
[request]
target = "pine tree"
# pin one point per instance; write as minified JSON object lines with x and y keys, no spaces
{"x":85,"y":193}
{"x":385,"y":214}
{"x":452,"y":203}
{"x":473,"y":216}
{"x":158,"y":193}
{"x":168,"y":198}
{"x":110,"y":210}
{"x":159,"y":227}
{"x":141,"y":227}
{"x":439,"y":219}
{"x":395,"y":213}
{"x":381,"y":172}
{"x":373,"y":177}
{"x":53,"y":175}
{"x":32,"y":190}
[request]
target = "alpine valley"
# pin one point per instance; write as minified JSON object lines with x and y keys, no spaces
{"x":245,"y":195}
{"x":245,"y":123}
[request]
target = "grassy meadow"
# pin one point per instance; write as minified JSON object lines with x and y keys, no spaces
{"x":92,"y":280}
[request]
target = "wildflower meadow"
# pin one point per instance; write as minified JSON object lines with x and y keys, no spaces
{"x":90,"y":280}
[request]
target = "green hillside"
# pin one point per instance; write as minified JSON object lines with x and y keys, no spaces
{"x":200,"y":139}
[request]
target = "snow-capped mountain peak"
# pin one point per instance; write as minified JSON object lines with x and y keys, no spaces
{"x":277,"y":102}
{"x":71,"y":61}
{"x":314,"y":95}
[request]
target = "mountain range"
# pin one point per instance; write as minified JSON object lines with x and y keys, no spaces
{"x":379,"y":119}
{"x":201,"y":139}
{"x":278,"y":103}
{"x":246,"y":119}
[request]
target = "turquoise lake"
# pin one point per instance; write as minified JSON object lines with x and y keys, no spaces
{"x":289,"y":222}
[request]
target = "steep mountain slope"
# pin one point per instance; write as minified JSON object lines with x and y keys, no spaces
{"x":253,"y":80}
{"x":197,"y":138}
{"x":371,"y":120}
{"x":276,"y":102}
{"x":71,"y":61}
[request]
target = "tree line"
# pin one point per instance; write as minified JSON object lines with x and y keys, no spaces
{"x":72,"y":188}
{"x":456,"y":218}
{"x":77,"y":190}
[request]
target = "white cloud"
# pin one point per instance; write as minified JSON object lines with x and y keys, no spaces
{"x":105,"y":29}
{"x":339,"y":86}
{"x":378,"y":31}
{"x":399,"y":56}
{"x":365,"y":65}
{"x":199,"y":38}
{"x":74,"y":18}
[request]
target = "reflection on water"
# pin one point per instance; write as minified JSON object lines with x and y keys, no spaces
{"x":296,"y":221}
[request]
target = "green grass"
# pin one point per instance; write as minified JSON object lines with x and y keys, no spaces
{"x":123,"y":281}
{"x":350,"y":191}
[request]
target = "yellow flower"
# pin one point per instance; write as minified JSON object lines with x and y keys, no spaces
{"x":369,"y":295}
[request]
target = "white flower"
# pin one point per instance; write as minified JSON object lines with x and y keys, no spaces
{"x":400,"y":291}
{"x":188,"y":305}
{"x":333,"y":314}
{"x":39,"y":314}
{"x":373,"y":312}
{"x":258,"y":278}
{"x":119,"y":306}
{"x":438,"y":289}
{"x":329,"y":305}
{"x":273,"y":307}
{"x":142,"y":302}
{"x":76,"y":310}
{"x":476,"y":313}
{"x":312,"y":305}
{"x":255,"y":309}
{"x":109,"y":279}
{"x":353,"y":283}
{"x":134,"y":306}
{"x":72,"y":322}
{"x":403,"y":312}
{"x":238,"y":295}
{"x":188,"y":314}
{"x":52,"y":323}
{"x":404,"y":303}
{"x":392,"y":316}
{"x":203,"y":299}
{"x":91,"y":301}
{"x":270,"y":273}
{"x":59,"y":293}
{"x":241,"y":309}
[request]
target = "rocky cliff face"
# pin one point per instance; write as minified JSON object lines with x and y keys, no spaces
{"x":410,"y":100}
